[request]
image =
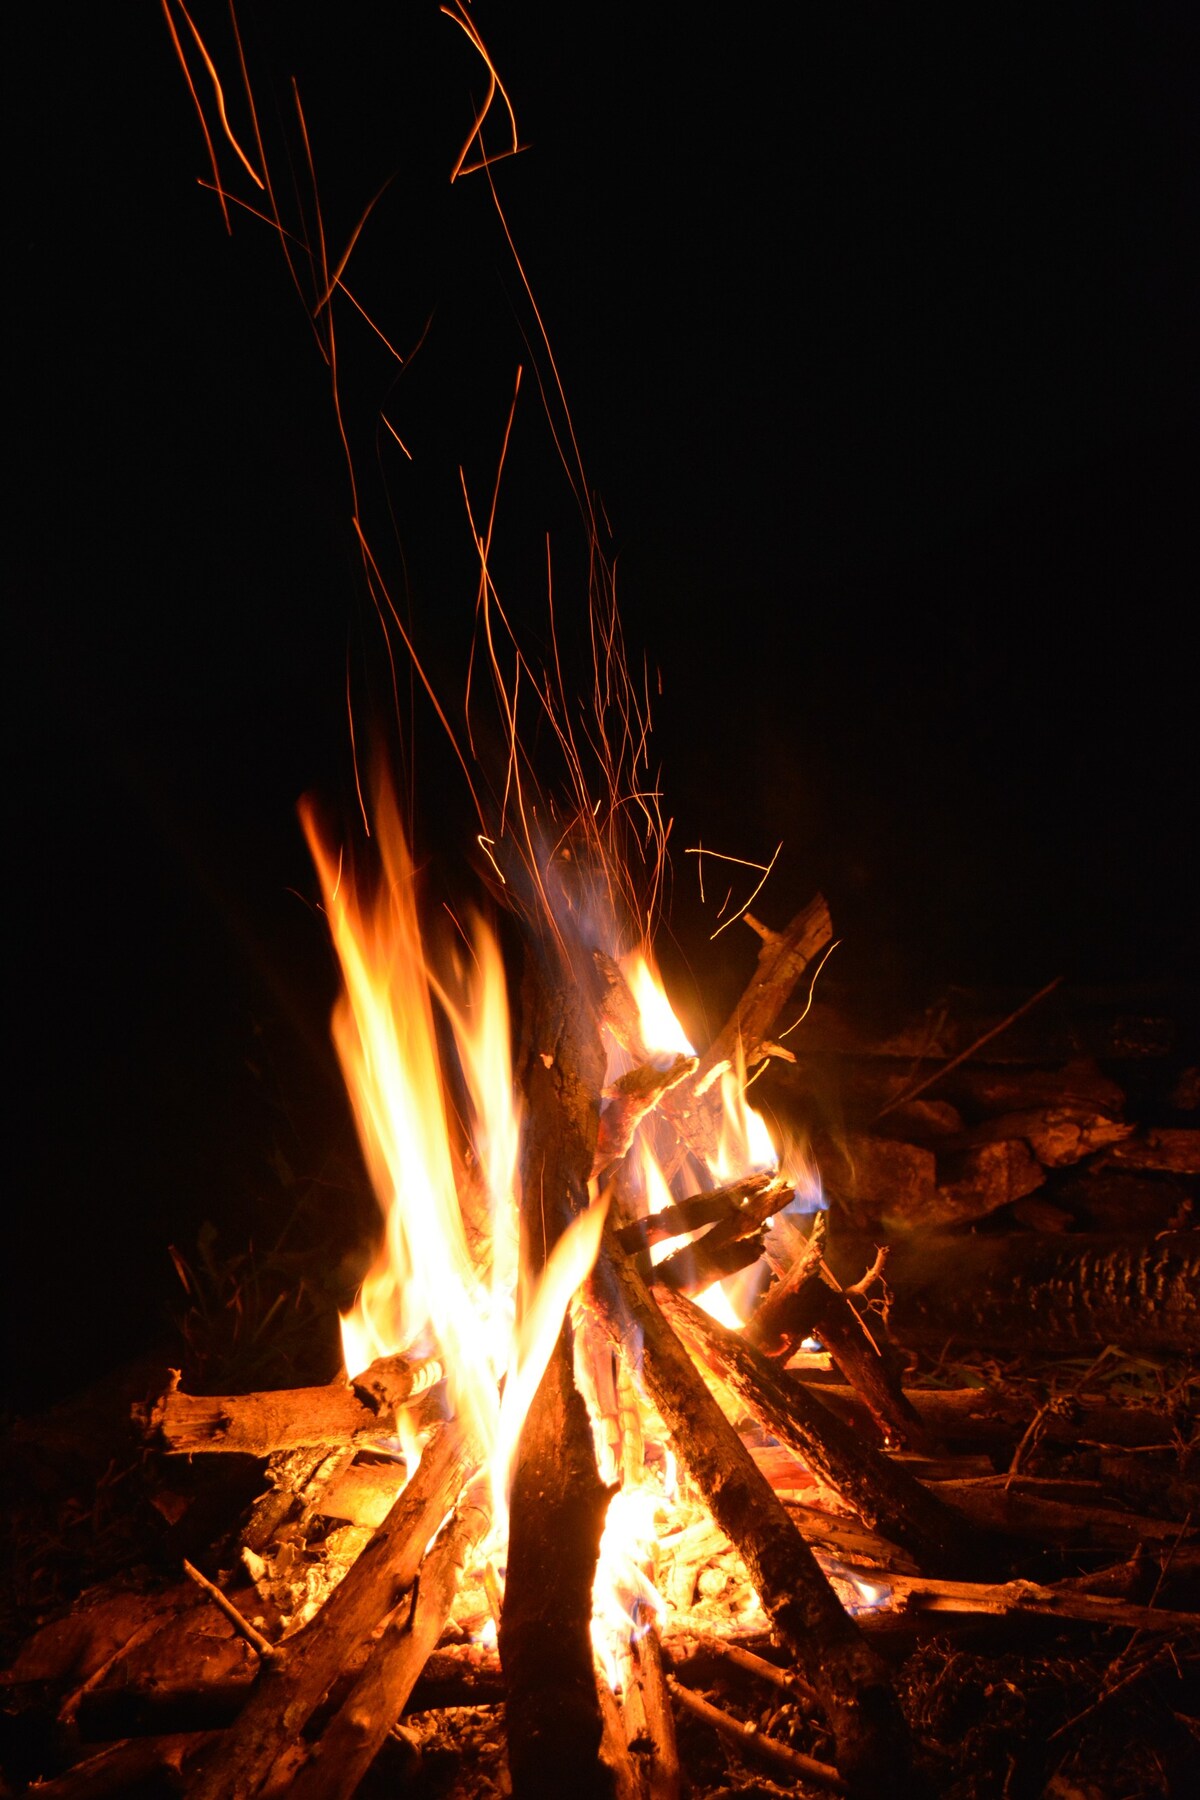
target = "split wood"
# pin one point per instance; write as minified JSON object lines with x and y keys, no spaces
{"x":350,"y":1742}
{"x":649,"y":1720}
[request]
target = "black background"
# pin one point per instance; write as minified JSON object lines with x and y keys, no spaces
{"x":877,"y":332}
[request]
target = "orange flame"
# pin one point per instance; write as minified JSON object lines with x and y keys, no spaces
{"x":447,"y":1266}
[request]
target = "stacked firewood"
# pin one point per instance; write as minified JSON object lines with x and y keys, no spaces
{"x":827,"y":1497}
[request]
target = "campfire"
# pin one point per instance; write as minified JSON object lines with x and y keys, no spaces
{"x":628,"y":1391}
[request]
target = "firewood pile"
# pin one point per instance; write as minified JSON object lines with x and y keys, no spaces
{"x":929,"y":1516}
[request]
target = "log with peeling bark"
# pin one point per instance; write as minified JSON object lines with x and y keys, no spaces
{"x":1041,"y":1291}
{"x":853,"y":1684}
{"x":694,"y":1107}
{"x":883,"y":1494}
{"x":553,"y":1717}
{"x":263,"y":1424}
{"x":291,"y":1687}
{"x":350,"y":1742}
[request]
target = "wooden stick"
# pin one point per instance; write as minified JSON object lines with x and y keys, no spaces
{"x":242,"y":1626}
{"x":756,"y":1747}
{"x":853,"y":1684}
{"x":694,"y":1107}
{"x":289,"y":1418}
{"x":787,"y":1679}
{"x":886,"y":1498}
{"x":351,"y":1741}
{"x":292,"y":1686}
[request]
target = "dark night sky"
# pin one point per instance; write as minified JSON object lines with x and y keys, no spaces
{"x":878,"y":335}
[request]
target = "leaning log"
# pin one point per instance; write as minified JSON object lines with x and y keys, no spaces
{"x":853,"y":1684}
{"x":1042,"y":1291}
{"x":884,"y":1495}
{"x":553,"y":1718}
{"x":350,"y":1742}
{"x":292,"y":1686}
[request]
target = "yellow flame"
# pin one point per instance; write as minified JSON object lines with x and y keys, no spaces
{"x":662,"y":1033}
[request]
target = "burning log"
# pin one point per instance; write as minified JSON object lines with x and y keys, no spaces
{"x":629,"y":1100}
{"x":650,"y":1719}
{"x":558,"y":1503}
{"x":733,"y":1242}
{"x":1042,"y":1291}
{"x":853,"y":1685}
{"x":694,"y":1107}
{"x":291,"y":1418}
{"x":292,"y":1686}
{"x":885,"y":1496}
{"x":349,"y":1744}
